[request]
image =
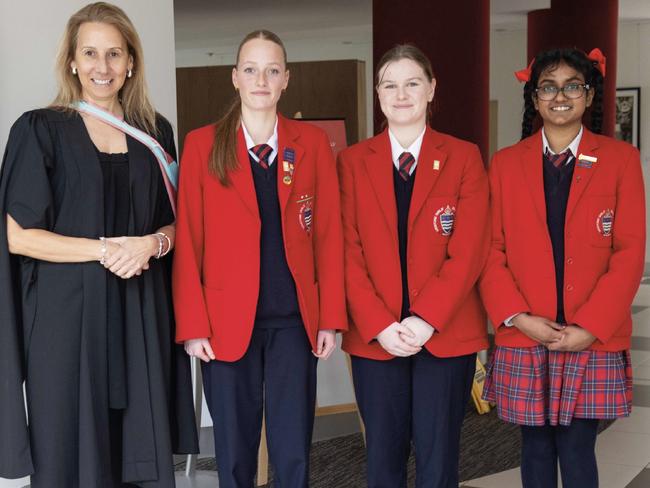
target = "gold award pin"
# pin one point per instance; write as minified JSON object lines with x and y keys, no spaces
{"x":288,"y":172}
{"x":436,"y":165}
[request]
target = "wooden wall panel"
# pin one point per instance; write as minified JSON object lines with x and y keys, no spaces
{"x":317,"y":89}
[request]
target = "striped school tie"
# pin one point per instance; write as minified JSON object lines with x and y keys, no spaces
{"x":406,"y":162}
{"x":262,"y":151}
{"x":561,"y":159}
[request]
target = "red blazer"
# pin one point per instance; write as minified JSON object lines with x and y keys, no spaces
{"x":217,"y":256}
{"x":442,"y":268}
{"x":604,"y":259}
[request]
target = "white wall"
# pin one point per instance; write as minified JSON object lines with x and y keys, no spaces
{"x":508,"y":54}
{"x":634,"y":70}
{"x":29,"y":35}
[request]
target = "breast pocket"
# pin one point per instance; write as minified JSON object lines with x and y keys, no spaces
{"x":600,"y":220}
{"x":441,"y":212}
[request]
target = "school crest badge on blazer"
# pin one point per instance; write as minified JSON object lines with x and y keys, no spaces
{"x":604,"y":222}
{"x":306,"y":212}
{"x":443,"y":220}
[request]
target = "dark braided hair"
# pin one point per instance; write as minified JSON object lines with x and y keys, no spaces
{"x":577,"y":60}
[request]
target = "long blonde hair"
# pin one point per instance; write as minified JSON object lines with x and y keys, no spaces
{"x":223,"y":157}
{"x":134,"y":97}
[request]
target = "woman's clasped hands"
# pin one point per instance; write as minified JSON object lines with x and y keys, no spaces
{"x":129,"y":256}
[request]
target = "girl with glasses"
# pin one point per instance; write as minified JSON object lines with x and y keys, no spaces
{"x":567,"y":256}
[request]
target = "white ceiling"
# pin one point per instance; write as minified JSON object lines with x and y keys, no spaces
{"x":202,"y":23}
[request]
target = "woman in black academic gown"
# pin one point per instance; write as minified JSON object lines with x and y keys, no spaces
{"x":86,"y":317}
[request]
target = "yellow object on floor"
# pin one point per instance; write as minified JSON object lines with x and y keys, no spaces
{"x":477,"y":389}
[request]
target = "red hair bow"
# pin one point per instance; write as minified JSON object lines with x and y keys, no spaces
{"x":597,"y":56}
{"x":523,"y":75}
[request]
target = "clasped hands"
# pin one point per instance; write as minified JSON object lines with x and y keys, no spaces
{"x":129,"y":256}
{"x":405,"y":338}
{"x":554,"y":336}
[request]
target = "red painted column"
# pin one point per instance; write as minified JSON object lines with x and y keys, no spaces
{"x":584,"y":24}
{"x":455,"y":37}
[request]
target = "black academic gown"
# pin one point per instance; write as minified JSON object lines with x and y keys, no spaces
{"x":53,"y":320}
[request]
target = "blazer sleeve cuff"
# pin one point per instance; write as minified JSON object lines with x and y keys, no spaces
{"x":373,"y":325}
{"x":428,"y":318}
{"x":502,"y":302}
{"x":600,"y":330}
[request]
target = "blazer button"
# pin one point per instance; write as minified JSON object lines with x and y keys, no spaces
{"x":569,"y":261}
{"x":415,"y":293}
{"x":569,"y":288}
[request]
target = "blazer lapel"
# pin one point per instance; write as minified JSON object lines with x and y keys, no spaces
{"x":583,"y":171}
{"x":379,"y":166}
{"x":431,"y":162}
{"x":287,"y":146}
{"x":242,"y":178}
{"x":533,"y":168}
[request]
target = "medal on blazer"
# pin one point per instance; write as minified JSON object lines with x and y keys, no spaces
{"x":288,"y":158}
{"x":305,"y":212}
{"x":604,"y":222}
{"x":443,"y":220}
{"x":585,"y":161}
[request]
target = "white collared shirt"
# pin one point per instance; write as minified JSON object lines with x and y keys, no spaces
{"x":397,"y":149}
{"x":273,"y":142}
{"x":573,"y":146}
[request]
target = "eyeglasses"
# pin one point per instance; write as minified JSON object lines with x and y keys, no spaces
{"x":570,"y":90}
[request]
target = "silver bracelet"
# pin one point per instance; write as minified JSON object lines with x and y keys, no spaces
{"x":169,"y":243}
{"x":160,"y":245}
{"x":102,"y":259}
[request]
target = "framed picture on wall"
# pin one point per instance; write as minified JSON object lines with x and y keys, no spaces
{"x":628,"y":108}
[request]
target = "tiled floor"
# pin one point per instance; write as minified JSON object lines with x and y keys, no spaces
{"x":623,"y":450}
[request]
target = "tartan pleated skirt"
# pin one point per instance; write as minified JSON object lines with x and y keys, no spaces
{"x":532,"y":385}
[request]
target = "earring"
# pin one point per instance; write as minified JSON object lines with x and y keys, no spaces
{"x":74,"y":71}
{"x":129,"y":73}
